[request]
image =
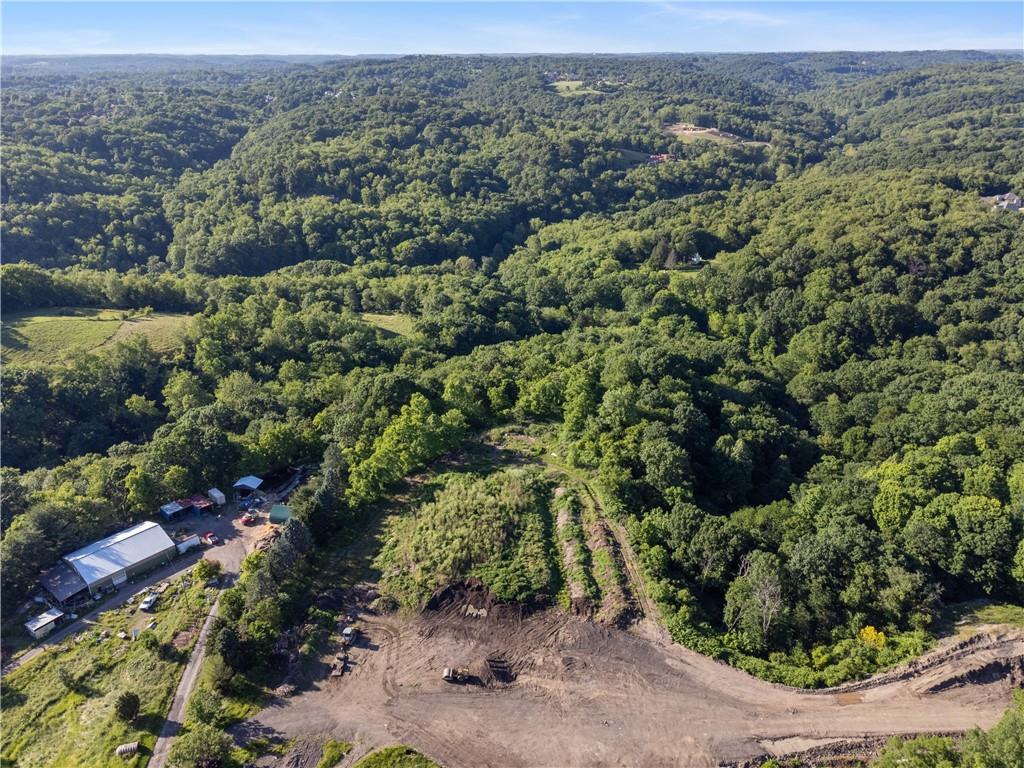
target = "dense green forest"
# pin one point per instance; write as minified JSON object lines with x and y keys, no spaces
{"x":791,"y":364}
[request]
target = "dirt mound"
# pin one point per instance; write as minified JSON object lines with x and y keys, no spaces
{"x":491,"y":672}
{"x":472,"y":599}
{"x":1001,"y":644}
{"x":834,"y":753}
{"x":1008,"y":671}
{"x":617,"y":609}
{"x":182,"y":640}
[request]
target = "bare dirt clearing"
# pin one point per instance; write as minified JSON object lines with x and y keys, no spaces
{"x":689,"y":132}
{"x":580,"y":694}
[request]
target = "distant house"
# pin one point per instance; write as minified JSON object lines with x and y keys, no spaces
{"x":280,"y":514}
{"x":247,"y":485}
{"x":1008,"y":202}
{"x":660,"y":158}
{"x":43,"y":624}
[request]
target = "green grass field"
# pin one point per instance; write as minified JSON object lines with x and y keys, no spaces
{"x":57,"y":334}
{"x":58,"y":709}
{"x":396,"y":323}
{"x":163,"y":329}
{"x":572,"y":88}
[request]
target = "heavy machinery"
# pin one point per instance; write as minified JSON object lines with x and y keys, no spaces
{"x":455,"y":675}
{"x":349,"y":636}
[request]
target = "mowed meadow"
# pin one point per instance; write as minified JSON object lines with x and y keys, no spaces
{"x":55,"y":335}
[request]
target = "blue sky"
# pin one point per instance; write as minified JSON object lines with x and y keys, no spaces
{"x":501,"y":27}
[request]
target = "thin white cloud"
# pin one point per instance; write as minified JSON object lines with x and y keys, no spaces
{"x":722,"y":14}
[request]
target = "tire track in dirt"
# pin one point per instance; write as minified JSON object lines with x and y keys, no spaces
{"x":637,"y":589}
{"x":390,"y":651}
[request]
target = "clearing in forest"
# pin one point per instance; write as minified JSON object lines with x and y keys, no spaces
{"x":397,"y":323}
{"x":572,"y":88}
{"x":55,"y":335}
{"x":688,"y":132}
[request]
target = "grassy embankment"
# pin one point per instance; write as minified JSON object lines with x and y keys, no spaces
{"x":396,"y":757}
{"x":55,"y":335}
{"x":58,"y":709}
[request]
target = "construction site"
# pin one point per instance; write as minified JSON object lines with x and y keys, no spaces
{"x":473,"y":682}
{"x":596,"y":680}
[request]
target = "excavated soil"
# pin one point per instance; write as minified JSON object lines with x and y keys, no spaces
{"x":556,"y":690}
{"x":616,"y":605}
{"x":579,"y":603}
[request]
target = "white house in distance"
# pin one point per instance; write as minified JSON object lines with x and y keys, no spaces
{"x":109,"y":562}
{"x":1008,"y":202}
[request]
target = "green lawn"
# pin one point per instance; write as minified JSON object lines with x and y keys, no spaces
{"x":55,"y":335}
{"x":58,"y":709}
{"x":966,"y":619}
{"x":572,"y":88}
{"x":396,"y":323}
{"x":396,"y":757}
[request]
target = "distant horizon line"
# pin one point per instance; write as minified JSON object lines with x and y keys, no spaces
{"x":507,"y":53}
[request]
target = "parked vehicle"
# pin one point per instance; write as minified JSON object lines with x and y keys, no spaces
{"x":211,"y":539}
{"x":249,"y":518}
{"x":148,"y":603}
{"x":349,"y":636}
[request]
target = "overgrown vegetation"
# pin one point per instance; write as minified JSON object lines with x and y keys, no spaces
{"x":793,"y":372}
{"x":73,"y":704}
{"x":496,"y":527}
{"x":395,"y":757}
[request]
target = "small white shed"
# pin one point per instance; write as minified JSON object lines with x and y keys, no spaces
{"x":43,"y":624}
{"x":217,"y":497}
{"x":185,"y":545}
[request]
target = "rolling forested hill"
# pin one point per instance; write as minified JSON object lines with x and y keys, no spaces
{"x":789,"y":354}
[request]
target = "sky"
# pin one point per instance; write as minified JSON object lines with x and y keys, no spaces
{"x":501,"y":27}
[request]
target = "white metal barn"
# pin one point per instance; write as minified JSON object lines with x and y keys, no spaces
{"x":110,"y":562}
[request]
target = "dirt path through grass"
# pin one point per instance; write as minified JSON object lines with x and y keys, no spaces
{"x":171,"y":726}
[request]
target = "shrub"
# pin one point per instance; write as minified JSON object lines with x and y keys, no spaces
{"x":127,"y":706}
{"x":205,"y":706}
{"x":205,"y":570}
{"x":203,"y":746}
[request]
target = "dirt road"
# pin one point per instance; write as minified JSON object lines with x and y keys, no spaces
{"x":239,"y":541}
{"x":171,"y":726}
{"x":587,"y":695}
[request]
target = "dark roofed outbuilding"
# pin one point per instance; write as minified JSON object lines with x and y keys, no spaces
{"x":62,"y":581}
